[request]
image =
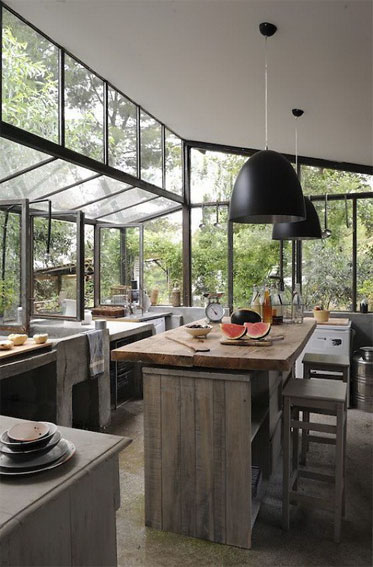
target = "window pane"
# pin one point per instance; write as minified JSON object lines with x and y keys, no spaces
{"x":44,"y":180}
{"x":83,"y":110}
{"x":365,"y":252}
{"x":15,"y":157}
{"x":55,"y":274}
{"x":255,"y":256}
{"x":209,"y":254}
{"x":327,"y":264}
{"x":151,"y":150}
{"x":318,"y":181}
{"x":10,"y":270}
{"x":163,"y":256}
{"x":139,"y":212}
{"x":30,"y":79}
{"x":122,"y":133}
{"x":110,"y":261}
{"x":213,"y":175}
{"x":123,"y":200}
{"x":174,"y":163}
{"x":88,"y":265}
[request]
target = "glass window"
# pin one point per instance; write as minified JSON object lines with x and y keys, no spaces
{"x":122,"y":132}
{"x":138,"y":212}
{"x":255,"y":257}
{"x":30,"y":79}
{"x":122,"y":201}
{"x":320,"y":180}
{"x":213,"y":175}
{"x":364,"y":251}
{"x":327,"y":264}
{"x":151,"y":149}
{"x":15,"y":157}
{"x":44,"y":180}
{"x":88,"y":265}
{"x":54,"y":274}
{"x":163,"y":267}
{"x":110,"y":262}
{"x":10,"y":266}
{"x":84,"y":109}
{"x":174,"y":163}
{"x":209,"y":254}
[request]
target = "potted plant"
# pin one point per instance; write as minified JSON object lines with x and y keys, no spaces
{"x":320,"y":314}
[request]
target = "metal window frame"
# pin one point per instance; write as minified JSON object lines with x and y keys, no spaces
{"x":79,"y":221}
{"x":25,"y":262}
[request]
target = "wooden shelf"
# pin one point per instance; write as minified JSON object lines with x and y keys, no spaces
{"x":258,"y":414}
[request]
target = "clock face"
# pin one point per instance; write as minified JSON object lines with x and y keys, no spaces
{"x":214,"y":312}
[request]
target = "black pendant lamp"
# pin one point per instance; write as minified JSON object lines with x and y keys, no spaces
{"x":267,"y":189}
{"x":309,"y":228}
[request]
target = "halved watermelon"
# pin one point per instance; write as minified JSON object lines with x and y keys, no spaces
{"x":232,"y":331}
{"x":245,"y":315}
{"x":257,"y":330}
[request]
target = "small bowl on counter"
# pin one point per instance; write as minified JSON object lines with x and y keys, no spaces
{"x":198,"y":331}
{"x":17,"y":340}
{"x":321,"y":315}
{"x":40,"y":338}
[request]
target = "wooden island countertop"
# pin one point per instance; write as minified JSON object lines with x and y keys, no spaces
{"x":280,"y":356}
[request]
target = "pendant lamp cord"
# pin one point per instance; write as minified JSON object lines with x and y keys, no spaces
{"x":266,"y":93}
{"x":296,"y":145}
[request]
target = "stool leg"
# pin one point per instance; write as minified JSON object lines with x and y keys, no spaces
{"x":295,"y":447}
{"x":286,"y":465}
{"x":306,"y":418}
{"x":344,"y":464}
{"x":338,"y":497}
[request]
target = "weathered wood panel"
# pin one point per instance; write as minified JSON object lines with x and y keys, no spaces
{"x":238,"y":464}
{"x":188,"y":457}
{"x":204,"y":458}
{"x":152,"y":451}
{"x":170,"y":453}
{"x":219,"y":462}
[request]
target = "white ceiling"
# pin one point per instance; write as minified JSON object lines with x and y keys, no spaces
{"x":197,"y":65}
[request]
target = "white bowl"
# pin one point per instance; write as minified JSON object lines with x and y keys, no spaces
{"x":198,"y":332}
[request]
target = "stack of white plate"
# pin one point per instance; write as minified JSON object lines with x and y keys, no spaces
{"x":33,"y":446}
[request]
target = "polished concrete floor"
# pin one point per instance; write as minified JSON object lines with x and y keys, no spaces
{"x":309,"y":541}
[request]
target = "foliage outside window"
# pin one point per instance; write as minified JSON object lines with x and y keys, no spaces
{"x":122,"y":122}
{"x":213,"y":175}
{"x":151,"y":149}
{"x":10,"y":267}
{"x":84,"y":96}
{"x":327,"y":264}
{"x":174,"y":163}
{"x":88,"y":265}
{"x":209,"y":254}
{"x":54,"y":275}
{"x":163,"y":256}
{"x":29,"y":78}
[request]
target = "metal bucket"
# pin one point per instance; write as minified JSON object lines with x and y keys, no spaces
{"x":362,"y":382}
{"x":367,"y":352}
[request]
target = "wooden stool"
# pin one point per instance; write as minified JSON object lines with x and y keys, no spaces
{"x":327,"y":364}
{"x":314,"y":396}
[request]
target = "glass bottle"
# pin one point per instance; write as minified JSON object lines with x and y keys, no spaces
{"x":255,"y":301}
{"x":267,"y":306}
{"x":277,"y":306}
{"x":298,"y":307}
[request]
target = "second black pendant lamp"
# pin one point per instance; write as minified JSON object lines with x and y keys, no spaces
{"x":267,"y":189}
{"x":309,"y":228}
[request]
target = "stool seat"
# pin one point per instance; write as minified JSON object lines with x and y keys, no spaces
{"x":327,"y":359}
{"x":320,"y":389}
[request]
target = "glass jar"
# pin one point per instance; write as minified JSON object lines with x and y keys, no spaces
{"x":266,"y":306}
{"x":277,"y":309}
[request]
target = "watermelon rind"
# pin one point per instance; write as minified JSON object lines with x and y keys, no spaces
{"x":232,"y":331}
{"x":242,"y":316}
{"x":257,"y":330}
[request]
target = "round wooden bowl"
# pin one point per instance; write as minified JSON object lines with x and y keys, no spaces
{"x":198,"y":332}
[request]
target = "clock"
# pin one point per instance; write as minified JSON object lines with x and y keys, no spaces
{"x":214,"y":310}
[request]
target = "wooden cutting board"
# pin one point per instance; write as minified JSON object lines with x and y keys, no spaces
{"x":29,"y":346}
{"x":335,"y":321}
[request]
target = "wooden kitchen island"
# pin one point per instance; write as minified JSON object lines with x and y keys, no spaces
{"x":208,"y":418}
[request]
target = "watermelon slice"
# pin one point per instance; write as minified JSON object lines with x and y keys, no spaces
{"x":257,"y":330}
{"x":232,"y":331}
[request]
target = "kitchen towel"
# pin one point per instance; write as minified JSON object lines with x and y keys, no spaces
{"x":96,"y":353}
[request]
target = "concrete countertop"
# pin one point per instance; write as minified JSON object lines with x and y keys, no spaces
{"x":138,"y":318}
